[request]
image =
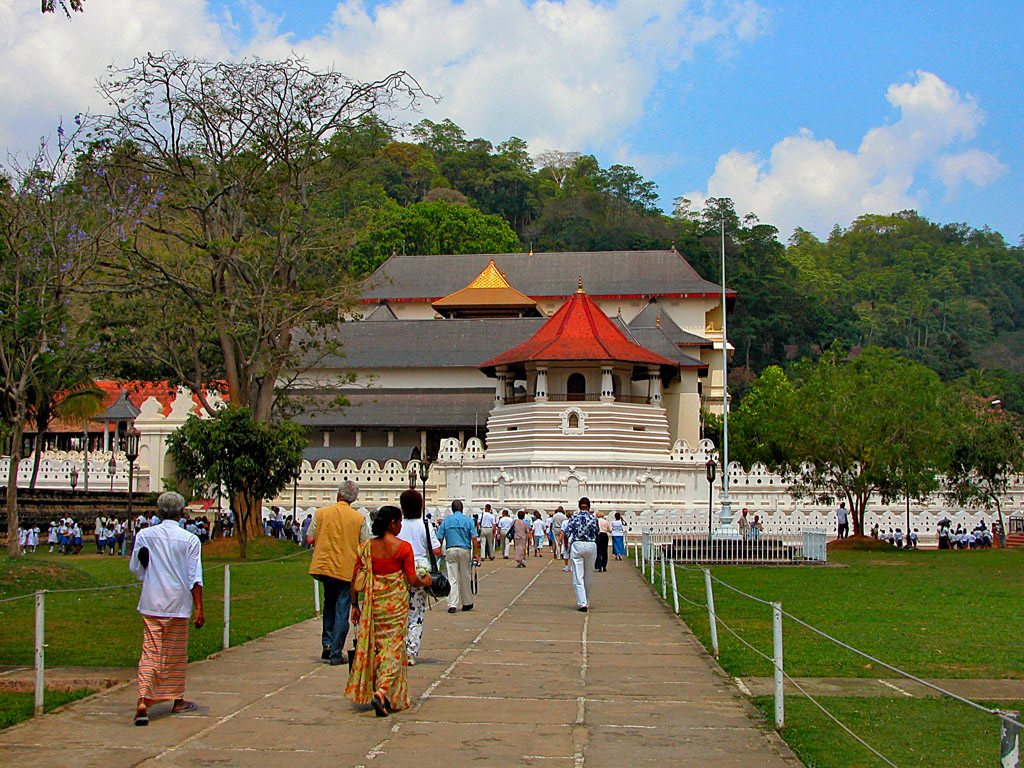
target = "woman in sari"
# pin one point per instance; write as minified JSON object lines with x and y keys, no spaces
{"x":521,"y":538}
{"x":385,"y":565}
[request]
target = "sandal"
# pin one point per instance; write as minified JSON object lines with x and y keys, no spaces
{"x":379,"y":702}
{"x":186,"y":706}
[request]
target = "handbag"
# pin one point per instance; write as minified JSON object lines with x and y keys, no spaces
{"x":439,"y":585}
{"x":511,"y":534}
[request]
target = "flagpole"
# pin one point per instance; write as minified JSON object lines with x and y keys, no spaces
{"x":726,"y":506}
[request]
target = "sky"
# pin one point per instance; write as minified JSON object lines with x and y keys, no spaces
{"x":807,"y":114}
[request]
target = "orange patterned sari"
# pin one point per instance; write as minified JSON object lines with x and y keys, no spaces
{"x":380,"y":649}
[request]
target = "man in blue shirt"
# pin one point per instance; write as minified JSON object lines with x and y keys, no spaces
{"x":458,"y":537}
{"x":581,"y":535}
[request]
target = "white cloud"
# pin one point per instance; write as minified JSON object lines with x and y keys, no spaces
{"x":560,"y":73}
{"x":813,"y":184}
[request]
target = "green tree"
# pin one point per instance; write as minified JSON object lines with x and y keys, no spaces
{"x":986,"y":452}
{"x":239,"y":258}
{"x":428,"y":228}
{"x":252,"y":460}
{"x":59,"y":216}
{"x":850,"y":429}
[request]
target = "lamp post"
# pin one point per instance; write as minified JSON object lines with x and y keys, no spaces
{"x":74,"y":478}
{"x":112,"y":470}
{"x":726,"y":506}
{"x":131,"y":453}
{"x":424,"y":474}
{"x":709,"y":469}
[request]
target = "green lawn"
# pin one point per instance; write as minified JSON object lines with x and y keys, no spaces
{"x":931,"y":613}
{"x":15,"y":707}
{"x":104,"y":629}
{"x":912,"y":733}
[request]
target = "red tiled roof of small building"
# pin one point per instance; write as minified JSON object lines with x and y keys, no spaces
{"x":579,"y":330}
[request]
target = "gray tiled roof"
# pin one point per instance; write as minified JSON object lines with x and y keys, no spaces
{"x":380,"y":312}
{"x":336,"y":453}
{"x":657,"y":340}
{"x":426,"y":343}
{"x":604,"y":273}
{"x":403,"y":407}
{"x":648,"y":318}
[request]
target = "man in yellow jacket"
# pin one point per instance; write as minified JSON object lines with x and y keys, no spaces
{"x":335,"y":534}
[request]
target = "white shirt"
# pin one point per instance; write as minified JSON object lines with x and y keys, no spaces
{"x":504,"y":523}
{"x":414,"y":533}
{"x":538,"y":528}
{"x":175,"y":564}
{"x":487,"y":520}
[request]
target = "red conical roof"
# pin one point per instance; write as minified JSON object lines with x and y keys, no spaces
{"x":579,"y":330}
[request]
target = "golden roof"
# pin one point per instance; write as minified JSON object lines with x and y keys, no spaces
{"x":489,"y":293}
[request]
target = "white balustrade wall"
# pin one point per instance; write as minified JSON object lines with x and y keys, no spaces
{"x":55,"y":471}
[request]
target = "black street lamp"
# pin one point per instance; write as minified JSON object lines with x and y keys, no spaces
{"x":710,"y":468}
{"x":74,"y":478}
{"x":112,"y":470}
{"x":424,"y":474}
{"x":131,"y":453}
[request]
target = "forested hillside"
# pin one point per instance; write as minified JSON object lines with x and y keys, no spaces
{"x":947,"y":295}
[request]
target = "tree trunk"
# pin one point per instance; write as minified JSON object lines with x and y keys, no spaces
{"x":35,"y":462}
{"x":248,"y":520}
{"x":13,"y":550}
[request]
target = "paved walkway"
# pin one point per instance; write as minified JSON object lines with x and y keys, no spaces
{"x":522,"y":680}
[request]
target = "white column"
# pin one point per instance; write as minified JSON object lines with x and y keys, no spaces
{"x":423,"y":443}
{"x":607,"y":395}
{"x":499,"y":388}
{"x":327,"y":439}
{"x":541,"y":388}
{"x":391,"y":438}
{"x":655,"y":375}
{"x":359,"y":438}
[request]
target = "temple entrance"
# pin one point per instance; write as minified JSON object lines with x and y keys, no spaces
{"x":576,"y":387}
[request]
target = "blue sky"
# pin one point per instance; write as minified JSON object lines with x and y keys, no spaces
{"x":805,"y":113}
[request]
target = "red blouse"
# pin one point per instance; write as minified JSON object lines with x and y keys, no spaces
{"x":403,"y":560}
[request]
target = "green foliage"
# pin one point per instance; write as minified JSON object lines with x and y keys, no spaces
{"x":434,"y":227}
{"x":253,"y":460}
{"x":847,"y":429}
{"x":986,"y":452}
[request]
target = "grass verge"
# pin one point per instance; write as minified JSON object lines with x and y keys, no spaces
{"x":934,"y":614}
{"x":15,"y":707}
{"x":912,"y":733}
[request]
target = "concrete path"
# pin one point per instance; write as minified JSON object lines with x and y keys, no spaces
{"x":522,"y":680}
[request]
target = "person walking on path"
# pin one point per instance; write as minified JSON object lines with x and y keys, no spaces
{"x":521,"y":538}
{"x":557,"y":521}
{"x":581,"y":532}
{"x":504,"y":525}
{"x":843,"y":520}
{"x":487,"y":523}
{"x":335,"y":534}
{"x":604,"y":530}
{"x":539,"y":534}
{"x":168,"y":561}
{"x":415,"y":532}
{"x":458,"y":534}
{"x":385,"y":568}
{"x":618,"y":536}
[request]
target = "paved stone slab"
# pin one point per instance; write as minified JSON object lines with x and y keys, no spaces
{"x":522,"y":680}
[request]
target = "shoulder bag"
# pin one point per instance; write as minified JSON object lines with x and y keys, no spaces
{"x":439,"y":586}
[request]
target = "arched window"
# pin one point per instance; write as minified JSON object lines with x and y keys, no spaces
{"x":576,"y":386}
{"x":573,"y":422}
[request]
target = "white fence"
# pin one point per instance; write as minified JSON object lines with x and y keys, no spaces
{"x":685,"y":546}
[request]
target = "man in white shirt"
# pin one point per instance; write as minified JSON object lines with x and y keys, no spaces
{"x":557,"y":521}
{"x":504,"y":524}
{"x":168,"y":561}
{"x":487,"y":522}
{"x":843,"y":521}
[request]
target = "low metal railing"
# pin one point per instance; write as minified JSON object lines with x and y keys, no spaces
{"x":805,"y":546}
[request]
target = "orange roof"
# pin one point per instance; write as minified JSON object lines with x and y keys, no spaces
{"x":579,"y":330}
{"x":488,"y":289}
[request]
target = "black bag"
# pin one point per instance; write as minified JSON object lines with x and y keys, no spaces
{"x":439,"y":586}
{"x":511,"y":531}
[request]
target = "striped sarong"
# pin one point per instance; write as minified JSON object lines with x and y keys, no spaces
{"x":164,"y":658}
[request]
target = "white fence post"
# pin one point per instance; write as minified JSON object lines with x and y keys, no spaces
{"x":1009,"y":745}
{"x":40,"y":660}
{"x":316,"y":597}
{"x":227,"y":607}
{"x":664,"y":581}
{"x":636,"y":555}
{"x":710,"y":595}
{"x":675,"y":589}
{"x":780,"y":707}
{"x":652,"y":565}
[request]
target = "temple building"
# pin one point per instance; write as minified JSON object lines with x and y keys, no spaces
{"x":414,"y":367}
